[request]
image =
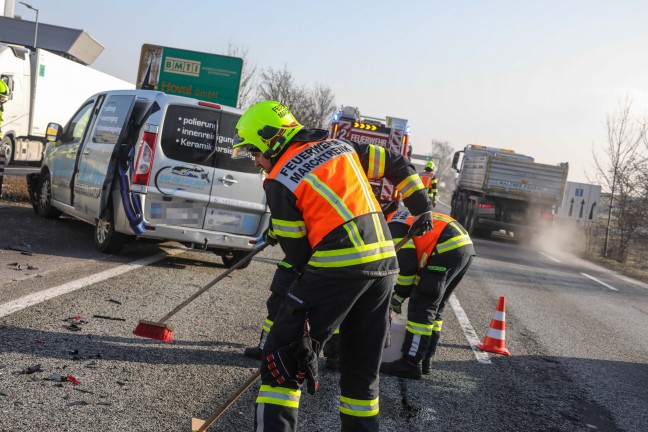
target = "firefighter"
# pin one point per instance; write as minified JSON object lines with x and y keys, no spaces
{"x":430,"y":181}
{"x":331,"y":229}
{"x":5,"y":93}
{"x":431,"y":267}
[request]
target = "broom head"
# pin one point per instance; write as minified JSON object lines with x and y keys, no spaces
{"x":154,"y":330}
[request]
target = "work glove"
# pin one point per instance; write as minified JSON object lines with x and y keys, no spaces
{"x":292,"y":364}
{"x":396,"y":303}
{"x":422,"y":224}
{"x":268,"y":237}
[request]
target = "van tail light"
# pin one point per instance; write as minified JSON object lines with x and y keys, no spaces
{"x":145,"y":159}
{"x":481,"y":205}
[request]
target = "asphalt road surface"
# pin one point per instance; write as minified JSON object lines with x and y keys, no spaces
{"x":577,"y":334}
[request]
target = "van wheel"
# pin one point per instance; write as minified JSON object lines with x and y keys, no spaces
{"x":231,"y":258}
{"x":105,"y":238}
{"x":44,"y":198}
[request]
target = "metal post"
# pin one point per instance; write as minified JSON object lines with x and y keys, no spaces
{"x":28,"y":6}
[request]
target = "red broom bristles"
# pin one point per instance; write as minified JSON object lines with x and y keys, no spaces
{"x":153,"y":330}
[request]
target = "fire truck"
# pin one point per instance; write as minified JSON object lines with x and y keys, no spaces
{"x":389,"y":132}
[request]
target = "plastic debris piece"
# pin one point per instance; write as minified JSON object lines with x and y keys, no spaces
{"x":72,"y":327}
{"x":73,"y":380}
{"x":78,"y":403}
{"x":32,"y":369}
{"x":114,"y":301}
{"x":55,"y":377}
{"x":31,"y":267}
{"x":22,"y":247}
{"x":108,"y":317}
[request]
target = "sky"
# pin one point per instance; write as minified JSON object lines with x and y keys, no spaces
{"x":536,"y":77}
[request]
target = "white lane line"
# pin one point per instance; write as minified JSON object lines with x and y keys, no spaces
{"x":35,"y":298}
{"x":601,"y":282}
{"x":549,"y":256}
{"x":469,"y":332}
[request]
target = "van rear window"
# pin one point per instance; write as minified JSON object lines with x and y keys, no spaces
{"x":189,"y":134}
{"x":202,"y":136}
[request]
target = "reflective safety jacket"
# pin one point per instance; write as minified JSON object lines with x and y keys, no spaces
{"x":447,"y":235}
{"x":324,"y":212}
{"x":430,"y":182}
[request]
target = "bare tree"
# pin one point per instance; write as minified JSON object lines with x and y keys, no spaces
{"x":441,"y":154}
{"x":623,"y":152}
{"x":313,"y":108}
{"x":248,"y":75}
{"x":320,"y":107}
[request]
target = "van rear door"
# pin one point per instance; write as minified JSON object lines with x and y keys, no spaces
{"x":237,"y":197}
{"x":97,"y":162}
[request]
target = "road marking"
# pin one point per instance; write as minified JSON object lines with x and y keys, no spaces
{"x":549,"y":256}
{"x":601,"y":282}
{"x":39,"y":297}
{"x":469,"y":331}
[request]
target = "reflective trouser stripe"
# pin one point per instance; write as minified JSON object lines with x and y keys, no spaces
{"x":414,"y":345}
{"x":278,"y":396}
{"x":267,"y":325}
{"x":418,"y":328}
{"x":437,"y":325}
{"x":359,"y":407}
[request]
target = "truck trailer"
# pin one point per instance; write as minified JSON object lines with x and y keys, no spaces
{"x":389,"y":132}
{"x":499,"y":189}
{"x":45,"y":87}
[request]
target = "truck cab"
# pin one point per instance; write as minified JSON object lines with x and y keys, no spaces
{"x":140,"y":163}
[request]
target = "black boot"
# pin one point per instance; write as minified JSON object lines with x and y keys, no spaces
{"x":406,"y":367}
{"x":427,"y":361}
{"x":253,"y":352}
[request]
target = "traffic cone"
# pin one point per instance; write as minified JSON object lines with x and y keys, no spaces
{"x":495,"y":336}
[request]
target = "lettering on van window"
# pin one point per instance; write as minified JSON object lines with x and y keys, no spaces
{"x":112,"y":119}
{"x":196,"y":134}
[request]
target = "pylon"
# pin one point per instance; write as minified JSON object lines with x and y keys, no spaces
{"x":495,"y":340}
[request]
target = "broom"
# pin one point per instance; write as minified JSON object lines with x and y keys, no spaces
{"x":160,"y":330}
{"x":199,"y":425}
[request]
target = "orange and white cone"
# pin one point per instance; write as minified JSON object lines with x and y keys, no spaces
{"x":495,"y":340}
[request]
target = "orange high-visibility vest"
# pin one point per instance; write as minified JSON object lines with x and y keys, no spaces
{"x":426,"y":243}
{"x":427,"y":178}
{"x":329,"y":182}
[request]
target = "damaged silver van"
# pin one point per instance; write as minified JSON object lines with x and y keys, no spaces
{"x":144,"y":163}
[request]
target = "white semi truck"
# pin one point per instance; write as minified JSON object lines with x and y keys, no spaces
{"x":499,"y":189}
{"x":46,"y":87}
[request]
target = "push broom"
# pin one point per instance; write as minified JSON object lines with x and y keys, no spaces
{"x":160,"y":330}
{"x":200,"y":425}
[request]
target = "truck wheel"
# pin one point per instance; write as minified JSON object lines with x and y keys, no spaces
{"x":106,"y":238}
{"x":7,"y":147}
{"x":231,"y":258}
{"x":44,"y":198}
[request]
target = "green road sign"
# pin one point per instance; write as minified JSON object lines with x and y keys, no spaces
{"x":209,"y":77}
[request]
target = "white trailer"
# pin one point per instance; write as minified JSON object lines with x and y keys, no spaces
{"x":46,"y":87}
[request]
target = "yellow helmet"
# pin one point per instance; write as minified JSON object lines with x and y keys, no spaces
{"x":429,"y":166}
{"x":4,"y":91}
{"x":266,"y":127}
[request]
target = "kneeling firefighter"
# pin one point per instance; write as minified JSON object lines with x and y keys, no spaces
{"x":333,"y":233}
{"x":431,"y":267}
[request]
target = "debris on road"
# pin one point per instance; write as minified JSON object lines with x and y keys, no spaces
{"x":22,"y":247}
{"x":108,"y":317}
{"x":32,"y":369}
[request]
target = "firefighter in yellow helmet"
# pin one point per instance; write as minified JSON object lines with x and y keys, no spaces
{"x":5,"y":92}
{"x":333,"y":233}
{"x":430,"y":181}
{"x":431,"y":267}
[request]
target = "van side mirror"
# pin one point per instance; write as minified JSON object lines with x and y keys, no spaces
{"x":455,"y":161}
{"x":54,"y":132}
